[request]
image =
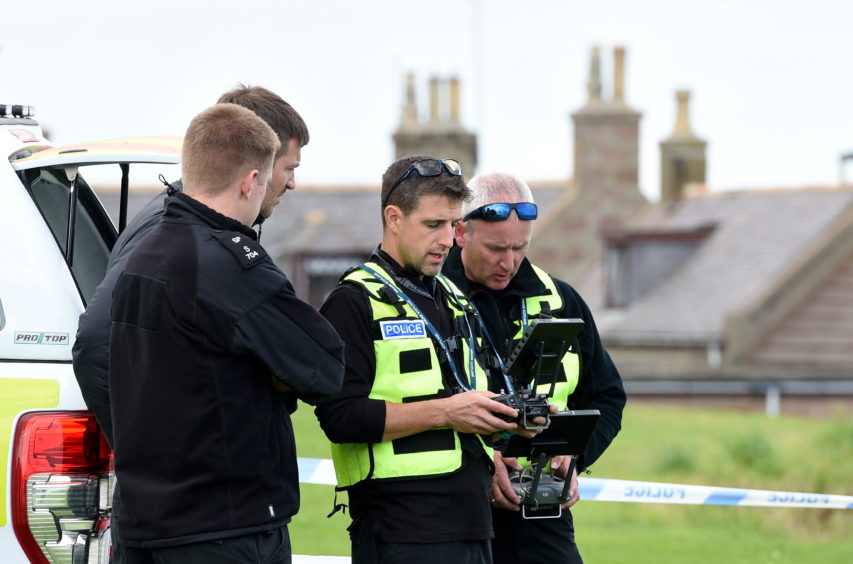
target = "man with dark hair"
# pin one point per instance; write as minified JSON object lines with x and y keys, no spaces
{"x":407,"y":428}
{"x":204,"y":447}
{"x":291,"y":131}
{"x":91,"y":347}
{"x":489,"y":265}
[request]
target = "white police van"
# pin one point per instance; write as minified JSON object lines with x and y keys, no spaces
{"x":55,"y":239}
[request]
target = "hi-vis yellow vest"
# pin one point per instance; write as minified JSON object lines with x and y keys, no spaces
{"x":407,"y":369}
{"x":567,"y":379}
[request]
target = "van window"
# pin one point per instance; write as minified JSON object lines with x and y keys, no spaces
{"x":94,"y":234}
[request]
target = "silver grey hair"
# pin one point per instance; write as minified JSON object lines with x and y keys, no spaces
{"x":495,"y":187}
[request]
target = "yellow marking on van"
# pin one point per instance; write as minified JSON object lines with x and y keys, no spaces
{"x":17,"y":395}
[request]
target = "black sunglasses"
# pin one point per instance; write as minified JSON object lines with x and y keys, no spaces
{"x":500,"y":212}
{"x":426,"y":167}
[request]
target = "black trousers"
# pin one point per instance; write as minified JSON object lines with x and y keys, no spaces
{"x":533,"y":541}
{"x":270,"y":547}
{"x":115,"y":540}
{"x":458,"y":552}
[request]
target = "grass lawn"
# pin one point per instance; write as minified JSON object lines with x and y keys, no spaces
{"x":311,"y":532}
{"x":689,"y":446}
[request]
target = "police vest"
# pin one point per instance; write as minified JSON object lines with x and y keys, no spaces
{"x":407,"y":369}
{"x":535,"y":307}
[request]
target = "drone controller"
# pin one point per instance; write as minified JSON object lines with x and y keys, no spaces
{"x":529,"y":405}
{"x":542,"y":495}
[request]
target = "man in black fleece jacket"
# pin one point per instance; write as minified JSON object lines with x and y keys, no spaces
{"x":206,"y":334}
{"x":489,"y":265}
{"x":92,"y":345}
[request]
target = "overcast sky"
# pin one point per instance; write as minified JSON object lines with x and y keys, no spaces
{"x":771,"y":80}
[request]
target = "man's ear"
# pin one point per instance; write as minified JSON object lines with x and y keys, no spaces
{"x":393,"y":214}
{"x":248,"y":183}
{"x":459,"y":233}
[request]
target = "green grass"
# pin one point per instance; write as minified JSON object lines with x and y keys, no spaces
{"x":688,"y":446}
{"x":311,"y":532}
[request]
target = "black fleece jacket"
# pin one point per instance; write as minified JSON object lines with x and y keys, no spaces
{"x":599,"y":386}
{"x":202,"y":322}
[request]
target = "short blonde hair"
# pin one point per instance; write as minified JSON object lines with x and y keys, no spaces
{"x":222,"y":143}
{"x":495,"y":187}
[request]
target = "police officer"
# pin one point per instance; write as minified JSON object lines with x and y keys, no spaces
{"x":489,"y":265}
{"x":202,"y":322}
{"x":92,"y":346}
{"x":407,"y":426}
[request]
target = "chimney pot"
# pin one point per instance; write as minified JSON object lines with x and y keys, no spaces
{"x":682,"y":119}
{"x":454,"y":99}
{"x":433,"y":99}
{"x":619,"y":74}
{"x":410,"y":108}
{"x":593,"y":85}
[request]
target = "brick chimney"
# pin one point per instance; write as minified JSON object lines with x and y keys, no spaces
{"x":607,"y":134}
{"x":683,"y":158}
{"x":604,"y":194}
{"x":442,"y":133}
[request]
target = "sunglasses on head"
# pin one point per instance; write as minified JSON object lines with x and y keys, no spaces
{"x":500,"y":212}
{"x":426,"y":167}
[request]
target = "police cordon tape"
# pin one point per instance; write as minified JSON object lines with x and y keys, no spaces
{"x":321,"y":471}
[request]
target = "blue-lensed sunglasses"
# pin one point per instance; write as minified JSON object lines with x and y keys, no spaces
{"x":500,"y":212}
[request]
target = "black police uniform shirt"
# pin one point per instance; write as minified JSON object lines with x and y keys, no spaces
{"x":599,"y":385}
{"x":202,"y":320}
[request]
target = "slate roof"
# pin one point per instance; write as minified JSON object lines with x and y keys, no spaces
{"x":320,"y":220}
{"x":819,"y":333}
{"x":329,"y":220}
{"x":317,"y":219}
{"x":757,"y":235}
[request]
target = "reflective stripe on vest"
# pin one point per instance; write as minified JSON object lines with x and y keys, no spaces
{"x":407,"y":369}
{"x":571,"y":360}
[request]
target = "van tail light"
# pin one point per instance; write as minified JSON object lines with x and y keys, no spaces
{"x":62,"y":482}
